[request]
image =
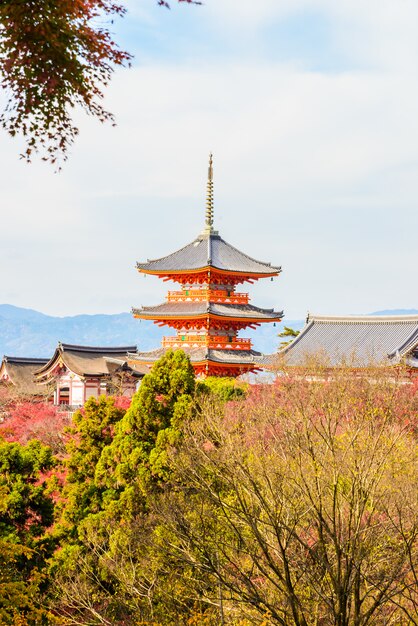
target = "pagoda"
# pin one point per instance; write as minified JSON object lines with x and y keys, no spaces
{"x":208,"y":312}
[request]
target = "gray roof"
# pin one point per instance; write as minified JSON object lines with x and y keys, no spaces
{"x":102,"y":350}
{"x":208,"y":250}
{"x":20,"y":371}
{"x":87,"y":360}
{"x":244,"y":357}
{"x":169,"y":310}
{"x":23,"y":360}
{"x":359,"y":340}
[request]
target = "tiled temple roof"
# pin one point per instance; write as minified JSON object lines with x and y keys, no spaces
{"x":208,"y":250}
{"x":88,"y":360}
{"x":100,"y":350}
{"x":23,"y":360}
{"x":359,"y":340}
{"x":198,"y":355}
{"x":174,"y":310}
{"x":20,"y":371}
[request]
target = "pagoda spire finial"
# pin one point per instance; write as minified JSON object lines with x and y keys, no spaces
{"x":209,"y":198}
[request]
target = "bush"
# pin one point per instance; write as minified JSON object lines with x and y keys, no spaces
{"x":26,"y":420}
{"x":224,"y":389}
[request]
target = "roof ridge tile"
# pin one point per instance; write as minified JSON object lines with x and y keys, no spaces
{"x":67,"y":347}
{"x":222,"y":256}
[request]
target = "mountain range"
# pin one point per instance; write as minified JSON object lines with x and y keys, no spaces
{"x":28,"y":333}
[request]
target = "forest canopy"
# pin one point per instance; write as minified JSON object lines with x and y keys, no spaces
{"x":291,"y":503}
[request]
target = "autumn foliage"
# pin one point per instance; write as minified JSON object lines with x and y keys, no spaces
{"x":55,"y":56}
{"x":301,"y":501}
{"x":24,"y":420}
{"x":26,"y":512}
{"x":290,"y":504}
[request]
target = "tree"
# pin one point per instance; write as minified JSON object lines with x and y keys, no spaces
{"x":26,"y":419}
{"x":151,"y":425}
{"x":288,"y":332}
{"x":297,"y":504}
{"x":55,"y":56}
{"x":223,"y":388}
{"x":19,"y":592}
{"x":26,"y":508}
{"x":92,"y":430}
{"x":107,"y":571}
{"x":26,"y":513}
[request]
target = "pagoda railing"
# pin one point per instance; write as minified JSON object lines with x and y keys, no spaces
{"x":209,"y":341}
{"x":210,"y":295}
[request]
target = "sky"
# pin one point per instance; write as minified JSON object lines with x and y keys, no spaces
{"x":311,"y":110}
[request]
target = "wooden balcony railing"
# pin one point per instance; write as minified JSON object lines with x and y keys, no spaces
{"x":210,"y":295}
{"x":209,"y":341}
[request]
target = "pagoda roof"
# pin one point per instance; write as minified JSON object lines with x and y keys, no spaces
{"x":208,"y":250}
{"x":191,"y":310}
{"x":358,"y":340}
{"x":19,"y":371}
{"x":200,"y":355}
{"x":88,"y":360}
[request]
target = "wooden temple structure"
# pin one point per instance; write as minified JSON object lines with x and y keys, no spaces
{"x":356,"y":341}
{"x":76,"y":373}
{"x":207,"y":312}
{"x":19,"y":373}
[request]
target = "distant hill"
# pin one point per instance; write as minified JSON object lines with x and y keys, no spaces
{"x":396,"y":312}
{"x":25,"y":332}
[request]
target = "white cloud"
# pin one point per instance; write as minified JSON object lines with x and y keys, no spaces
{"x":371,"y":33}
{"x":314,"y":170}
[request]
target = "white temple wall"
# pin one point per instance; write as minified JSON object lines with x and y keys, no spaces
{"x":77,"y":393}
{"x":74,"y":390}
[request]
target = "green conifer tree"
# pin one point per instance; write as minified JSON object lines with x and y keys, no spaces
{"x":288,"y":332}
{"x":106,"y":566}
{"x":138,"y":453}
{"x":92,"y":430}
{"x":26,"y":512}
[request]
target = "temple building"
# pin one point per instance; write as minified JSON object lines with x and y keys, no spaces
{"x":357,"y":341}
{"x":76,"y":373}
{"x":19,"y":372}
{"x":207,"y":311}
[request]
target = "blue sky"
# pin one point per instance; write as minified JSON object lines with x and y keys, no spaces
{"x":310,"y":108}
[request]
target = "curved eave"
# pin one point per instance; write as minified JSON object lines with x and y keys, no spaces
{"x":202,"y":362}
{"x":208,"y":269}
{"x":225,"y":365}
{"x":50,"y":365}
{"x":408,"y":346}
{"x":4,"y":372}
{"x":58,"y":358}
{"x":45,"y":375}
{"x":204,"y":316}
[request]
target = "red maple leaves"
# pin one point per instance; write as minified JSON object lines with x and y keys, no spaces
{"x":55,"y":56}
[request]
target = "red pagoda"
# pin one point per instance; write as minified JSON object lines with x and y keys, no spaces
{"x":207,"y":312}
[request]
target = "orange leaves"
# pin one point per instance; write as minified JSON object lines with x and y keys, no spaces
{"x":53,"y":57}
